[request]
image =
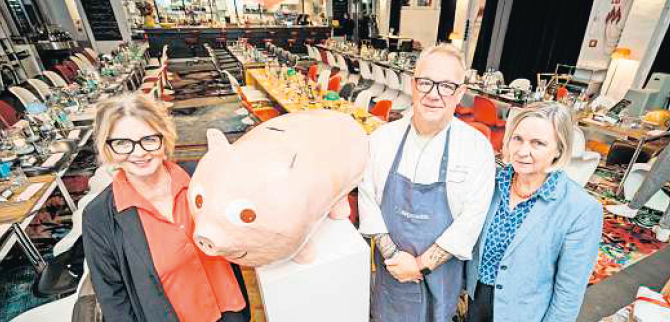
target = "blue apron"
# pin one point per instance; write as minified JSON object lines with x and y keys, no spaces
{"x":416,"y":215}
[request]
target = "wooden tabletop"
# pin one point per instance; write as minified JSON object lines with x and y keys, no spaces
{"x":291,"y":105}
{"x":11,"y":212}
{"x":613,"y":130}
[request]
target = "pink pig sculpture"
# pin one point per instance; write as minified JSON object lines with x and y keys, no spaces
{"x":257,"y":201}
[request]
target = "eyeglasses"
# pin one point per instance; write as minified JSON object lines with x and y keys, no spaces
{"x":425,"y":85}
{"x":149,"y":143}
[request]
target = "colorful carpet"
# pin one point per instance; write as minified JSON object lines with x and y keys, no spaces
{"x":625,"y":241}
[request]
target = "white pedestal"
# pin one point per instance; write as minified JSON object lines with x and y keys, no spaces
{"x":334,"y":287}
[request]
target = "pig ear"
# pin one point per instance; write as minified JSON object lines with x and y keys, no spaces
{"x":216,"y":139}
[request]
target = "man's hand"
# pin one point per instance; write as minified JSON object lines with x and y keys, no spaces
{"x":403,"y":268}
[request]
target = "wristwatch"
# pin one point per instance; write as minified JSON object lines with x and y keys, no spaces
{"x":425,"y":270}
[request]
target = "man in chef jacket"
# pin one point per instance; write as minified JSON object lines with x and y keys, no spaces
{"x":425,"y":195}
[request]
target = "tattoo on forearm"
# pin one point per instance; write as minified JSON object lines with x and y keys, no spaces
{"x":435,"y":256}
{"x":386,"y":246}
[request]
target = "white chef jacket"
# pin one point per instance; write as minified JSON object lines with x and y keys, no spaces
{"x":470,"y":178}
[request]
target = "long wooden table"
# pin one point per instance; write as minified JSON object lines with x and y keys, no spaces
{"x":279,"y":93}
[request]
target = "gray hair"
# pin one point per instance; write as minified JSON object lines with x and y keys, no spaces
{"x":561,"y":120}
{"x":444,"y":49}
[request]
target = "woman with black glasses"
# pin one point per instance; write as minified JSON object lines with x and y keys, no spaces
{"x":138,"y":233}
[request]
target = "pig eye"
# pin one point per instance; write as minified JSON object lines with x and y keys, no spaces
{"x":241,"y":212}
{"x":197,"y":195}
{"x":247,"y":216}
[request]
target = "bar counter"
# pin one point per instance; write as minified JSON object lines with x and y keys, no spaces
{"x":188,"y":41}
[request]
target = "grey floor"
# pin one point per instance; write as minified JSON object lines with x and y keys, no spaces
{"x":608,"y":296}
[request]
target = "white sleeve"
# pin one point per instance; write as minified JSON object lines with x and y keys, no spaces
{"x":460,"y":238}
{"x":369,"y":213}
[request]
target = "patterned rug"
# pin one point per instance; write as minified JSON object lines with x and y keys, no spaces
{"x":625,"y":241}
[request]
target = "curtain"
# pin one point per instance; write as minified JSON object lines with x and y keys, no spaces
{"x":447,"y":15}
{"x":541,"y":34}
{"x":394,"y":17}
{"x":661,"y":62}
{"x":485,"y":33}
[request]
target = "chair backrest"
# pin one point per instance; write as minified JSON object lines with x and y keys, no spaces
{"x":93,"y":54}
{"x":378,"y":74}
{"x":41,"y":87}
{"x":313,"y":70}
{"x":55,"y":79}
{"x":382,"y":109}
{"x":331,"y":58}
{"x":561,"y":93}
{"x":87,"y":61}
{"x":392,"y":80}
{"x":578,"y":142}
{"x":363,"y":100}
{"x":406,"y":83}
{"x":65,"y":72}
{"x":342,"y":63}
{"x":80,"y":64}
{"x":347,"y":90}
{"x":8,"y":115}
{"x":25,"y":96}
{"x":74,"y":68}
{"x":521,"y":83}
{"x":334,"y":83}
{"x":481,"y":128}
{"x":323,"y":79}
{"x":364,"y":66}
{"x":485,"y":111}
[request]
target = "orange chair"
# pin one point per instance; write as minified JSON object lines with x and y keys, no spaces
{"x":382,"y":109}
{"x":334,"y":83}
{"x":465,"y":114}
{"x":481,"y":128}
{"x":485,"y":112}
{"x":313,"y":70}
{"x":561,"y":93}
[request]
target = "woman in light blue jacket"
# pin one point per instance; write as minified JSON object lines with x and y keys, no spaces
{"x":540,"y":240}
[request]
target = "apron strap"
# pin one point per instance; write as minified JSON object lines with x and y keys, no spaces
{"x":398,"y":155}
{"x":445,"y":159}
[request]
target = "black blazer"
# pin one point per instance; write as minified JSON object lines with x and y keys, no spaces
{"x":122,"y":270}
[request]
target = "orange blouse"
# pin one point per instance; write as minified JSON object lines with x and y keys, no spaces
{"x":198,"y":286}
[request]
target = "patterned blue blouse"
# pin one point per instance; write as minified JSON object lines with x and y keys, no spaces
{"x":505,"y":224}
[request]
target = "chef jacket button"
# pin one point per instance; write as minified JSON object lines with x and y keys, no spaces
{"x":500,"y":287}
{"x":503,"y":267}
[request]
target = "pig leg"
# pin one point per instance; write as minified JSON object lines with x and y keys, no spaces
{"x":341,"y":210}
{"x":307,"y":254}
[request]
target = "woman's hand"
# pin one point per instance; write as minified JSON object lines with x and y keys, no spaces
{"x":403,"y":268}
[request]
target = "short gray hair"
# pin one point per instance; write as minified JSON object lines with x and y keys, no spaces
{"x":561,"y":119}
{"x":444,"y":49}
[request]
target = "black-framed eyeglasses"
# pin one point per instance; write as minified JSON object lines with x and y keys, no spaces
{"x":149,"y":143}
{"x":425,"y":85}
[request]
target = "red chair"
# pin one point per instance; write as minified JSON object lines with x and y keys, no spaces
{"x":465,"y":114}
{"x":485,"y":112}
{"x":72,"y":66}
{"x":334,"y":83}
{"x":65,"y":72}
{"x":561,"y":93}
{"x":8,"y":115}
{"x":382,"y":109}
{"x":313,"y":71}
{"x":481,"y":128}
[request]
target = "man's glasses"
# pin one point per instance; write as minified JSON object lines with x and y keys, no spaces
{"x":425,"y":85}
{"x":149,"y":143}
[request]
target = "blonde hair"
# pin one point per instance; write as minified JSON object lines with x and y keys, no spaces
{"x":444,"y":49}
{"x":561,"y":120}
{"x":139,"y":106}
